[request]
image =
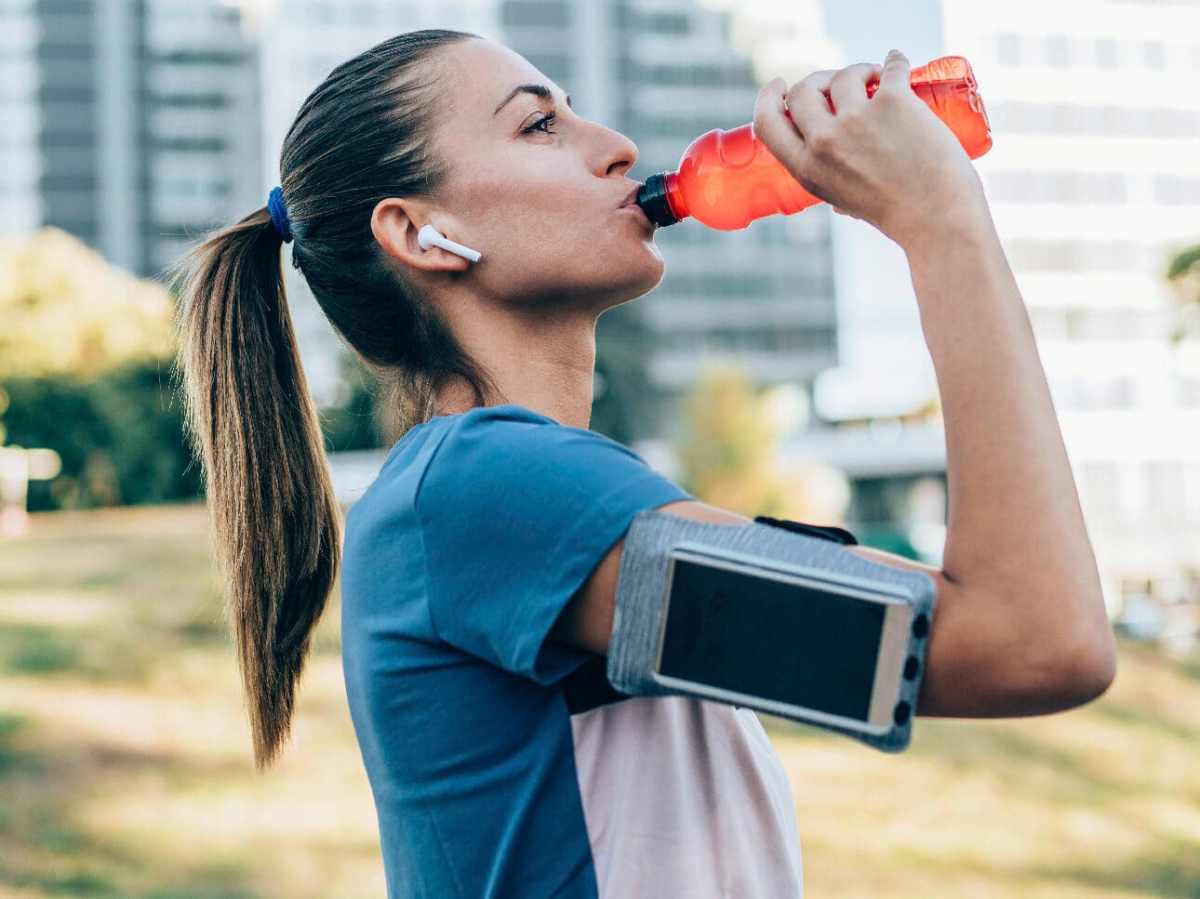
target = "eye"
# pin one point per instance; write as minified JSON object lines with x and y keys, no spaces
{"x":541,"y":124}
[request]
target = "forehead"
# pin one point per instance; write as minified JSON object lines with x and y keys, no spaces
{"x":478,"y":74}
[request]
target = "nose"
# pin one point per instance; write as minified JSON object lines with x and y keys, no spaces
{"x":619,"y":152}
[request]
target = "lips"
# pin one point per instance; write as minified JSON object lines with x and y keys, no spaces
{"x":631,"y":198}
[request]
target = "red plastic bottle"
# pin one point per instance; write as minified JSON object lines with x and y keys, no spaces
{"x":727,"y":179}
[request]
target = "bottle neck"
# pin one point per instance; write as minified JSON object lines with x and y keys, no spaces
{"x":661,"y":199}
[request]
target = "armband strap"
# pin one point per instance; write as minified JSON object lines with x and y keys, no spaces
{"x":826,"y":532}
{"x":783,"y":546}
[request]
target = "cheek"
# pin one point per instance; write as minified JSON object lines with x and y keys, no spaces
{"x":542,"y":238}
{"x":518,"y":220}
{"x":532,"y":229}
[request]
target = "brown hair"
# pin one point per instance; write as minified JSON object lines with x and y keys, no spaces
{"x":359,"y":137}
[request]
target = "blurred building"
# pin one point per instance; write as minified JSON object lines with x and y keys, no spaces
{"x":138,"y":125}
{"x":870,"y":413}
{"x":1093,"y":180}
{"x":132,"y":124}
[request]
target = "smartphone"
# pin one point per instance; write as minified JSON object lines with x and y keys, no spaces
{"x":801,"y":646}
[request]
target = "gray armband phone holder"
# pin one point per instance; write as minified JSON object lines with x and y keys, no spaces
{"x":813,"y":552}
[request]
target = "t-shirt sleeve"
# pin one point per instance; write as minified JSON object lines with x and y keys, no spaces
{"x":516,"y":512}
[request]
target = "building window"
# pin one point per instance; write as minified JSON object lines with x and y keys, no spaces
{"x":1058,"y":51}
{"x":1008,"y":49}
{"x":1076,"y":255}
{"x":1122,"y":393}
{"x":1155,"y":54}
{"x":1172,"y":190}
{"x":1106,"y":53}
{"x":1073,"y":119}
{"x":1058,"y":187}
{"x":1099,"y":491}
{"x":665,"y":23}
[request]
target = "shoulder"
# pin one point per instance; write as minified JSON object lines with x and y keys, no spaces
{"x":511,"y":426}
{"x":510,"y":453}
{"x":493,"y":442}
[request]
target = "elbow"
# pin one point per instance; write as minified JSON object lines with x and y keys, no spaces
{"x":1085,"y":671}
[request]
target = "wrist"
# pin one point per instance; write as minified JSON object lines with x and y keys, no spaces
{"x":964,"y":219}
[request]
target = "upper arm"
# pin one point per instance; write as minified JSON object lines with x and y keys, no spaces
{"x":983,"y":662}
{"x":587,"y":619}
{"x":514,"y":512}
{"x":978,"y":662}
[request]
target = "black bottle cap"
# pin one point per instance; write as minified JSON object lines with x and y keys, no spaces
{"x":652,"y":197}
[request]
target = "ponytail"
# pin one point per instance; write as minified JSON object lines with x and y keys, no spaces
{"x":253,"y":425}
{"x":361,"y":135}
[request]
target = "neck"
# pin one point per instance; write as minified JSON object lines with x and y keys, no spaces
{"x":541,"y":359}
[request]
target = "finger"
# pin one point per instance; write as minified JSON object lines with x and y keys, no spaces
{"x":771,"y":122}
{"x":807,"y":104}
{"x":896,"y":73}
{"x":848,"y":89}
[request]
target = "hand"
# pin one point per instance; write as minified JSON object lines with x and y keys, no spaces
{"x":888,"y":160}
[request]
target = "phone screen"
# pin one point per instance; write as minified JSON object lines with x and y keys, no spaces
{"x":794,"y":644}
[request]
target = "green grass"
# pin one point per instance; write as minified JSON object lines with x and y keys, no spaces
{"x":125,"y":766}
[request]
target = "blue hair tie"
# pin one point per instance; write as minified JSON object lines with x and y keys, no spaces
{"x":279,"y":214}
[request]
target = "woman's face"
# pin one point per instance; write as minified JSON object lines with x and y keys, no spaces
{"x":537,"y":189}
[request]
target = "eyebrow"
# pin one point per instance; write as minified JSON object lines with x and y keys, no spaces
{"x":538,"y":90}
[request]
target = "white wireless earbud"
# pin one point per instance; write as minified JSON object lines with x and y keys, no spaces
{"x":430,"y":236}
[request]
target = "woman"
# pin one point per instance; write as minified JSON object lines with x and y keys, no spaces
{"x":480,"y":565}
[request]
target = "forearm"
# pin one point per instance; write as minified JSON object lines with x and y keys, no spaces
{"x":1014,"y":521}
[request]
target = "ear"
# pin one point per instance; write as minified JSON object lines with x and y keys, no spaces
{"x":395,"y":222}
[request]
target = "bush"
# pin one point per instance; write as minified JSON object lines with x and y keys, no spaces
{"x":120,"y":436}
{"x":352,"y":424}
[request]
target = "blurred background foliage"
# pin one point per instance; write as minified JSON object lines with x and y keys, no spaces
{"x":86,"y":359}
{"x":1183,"y":274}
{"x":728,"y":453}
{"x":68,"y":312}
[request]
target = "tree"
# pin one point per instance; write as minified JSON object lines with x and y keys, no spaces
{"x":624,"y":404}
{"x":728,"y":451}
{"x":356,"y":421}
{"x":85,"y":353}
{"x":67,"y":311}
{"x":1183,"y":274}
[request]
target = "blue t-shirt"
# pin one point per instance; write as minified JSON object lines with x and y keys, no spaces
{"x":458,"y":559}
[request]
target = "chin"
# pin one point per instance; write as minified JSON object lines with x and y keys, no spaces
{"x":642,"y":269}
{"x":637,"y":282}
{"x":648,"y":266}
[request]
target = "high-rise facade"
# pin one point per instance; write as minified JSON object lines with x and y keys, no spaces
{"x":133,"y":124}
{"x":1093,"y":180}
{"x":20,"y":118}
